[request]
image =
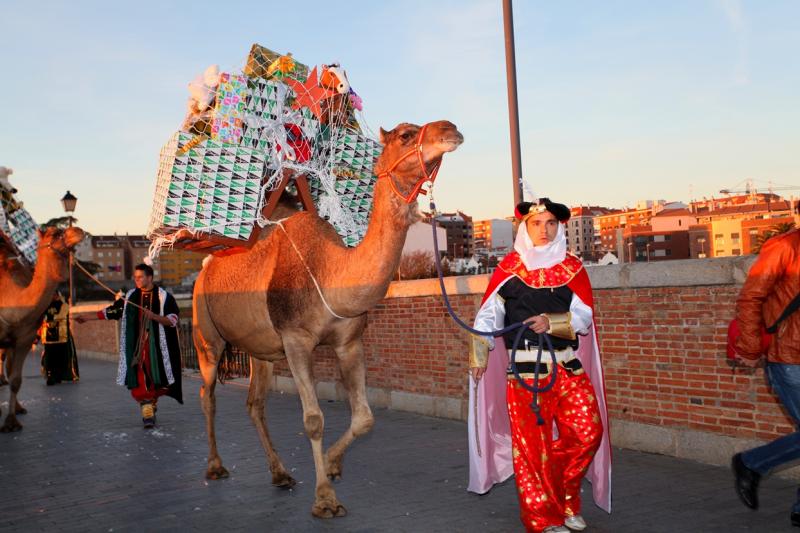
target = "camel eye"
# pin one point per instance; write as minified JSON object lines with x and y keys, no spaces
{"x":405,"y":136}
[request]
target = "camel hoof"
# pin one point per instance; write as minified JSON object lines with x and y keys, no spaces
{"x":283,"y":480}
{"x":20,"y":410}
{"x":3,"y":381}
{"x":333,"y":469}
{"x":328,"y":510}
{"x":219,"y":472}
{"x":11,"y":425}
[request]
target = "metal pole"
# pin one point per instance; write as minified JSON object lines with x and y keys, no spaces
{"x":71,"y":288}
{"x":513,"y":110}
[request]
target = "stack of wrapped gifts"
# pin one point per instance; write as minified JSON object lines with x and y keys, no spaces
{"x":252,"y":134}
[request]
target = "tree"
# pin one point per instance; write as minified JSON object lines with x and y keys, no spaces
{"x":420,"y":265}
{"x":777,"y":229}
{"x":86,"y":288}
{"x":58,"y":222}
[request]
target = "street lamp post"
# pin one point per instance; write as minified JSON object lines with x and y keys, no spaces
{"x":513,"y":108}
{"x":69,"y":201}
{"x":630,"y":252}
{"x":702,"y":242}
{"x":647,"y":247}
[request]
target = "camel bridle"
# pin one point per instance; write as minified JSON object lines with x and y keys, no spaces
{"x":426,"y":177}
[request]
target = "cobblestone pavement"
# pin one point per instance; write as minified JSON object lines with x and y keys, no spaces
{"x":83,"y":463}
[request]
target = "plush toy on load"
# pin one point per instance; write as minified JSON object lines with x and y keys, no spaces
{"x":18,"y":235}
{"x":248,"y":136}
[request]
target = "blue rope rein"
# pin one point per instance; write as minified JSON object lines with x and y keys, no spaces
{"x":519,"y":327}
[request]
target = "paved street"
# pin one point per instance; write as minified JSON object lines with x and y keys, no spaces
{"x":83,"y":463}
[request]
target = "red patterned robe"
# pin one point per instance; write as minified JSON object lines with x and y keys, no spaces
{"x":549,"y":460}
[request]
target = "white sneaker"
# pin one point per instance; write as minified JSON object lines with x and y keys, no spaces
{"x":555,"y":529}
{"x":575,"y":523}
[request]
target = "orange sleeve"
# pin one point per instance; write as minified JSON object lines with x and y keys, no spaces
{"x":765,"y":272}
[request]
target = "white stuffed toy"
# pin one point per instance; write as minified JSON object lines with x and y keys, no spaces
{"x":203,"y":88}
{"x":7,"y":192}
{"x":5,"y":172}
{"x":202,"y":91}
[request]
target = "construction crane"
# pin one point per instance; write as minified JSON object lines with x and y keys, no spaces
{"x":749,"y":189}
{"x":769,"y":189}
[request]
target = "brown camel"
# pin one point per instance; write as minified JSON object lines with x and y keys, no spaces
{"x":22,"y":306}
{"x":265,"y":302}
{"x":22,"y":276}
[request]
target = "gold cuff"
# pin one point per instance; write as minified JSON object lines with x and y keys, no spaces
{"x":479,"y":352}
{"x":560,"y":325}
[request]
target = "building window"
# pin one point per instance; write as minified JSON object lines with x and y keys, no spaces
{"x":736,"y":251}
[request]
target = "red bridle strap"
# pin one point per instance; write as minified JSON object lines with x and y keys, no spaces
{"x":425,"y":176}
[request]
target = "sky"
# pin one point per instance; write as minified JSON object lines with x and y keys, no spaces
{"x":619,"y":101}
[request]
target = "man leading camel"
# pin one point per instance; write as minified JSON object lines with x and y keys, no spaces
{"x":150,"y":359}
{"x":541,"y":284}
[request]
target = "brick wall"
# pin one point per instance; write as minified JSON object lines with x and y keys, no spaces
{"x":411,"y":345}
{"x":662,"y":332}
{"x":664,"y":356}
{"x":96,"y":337}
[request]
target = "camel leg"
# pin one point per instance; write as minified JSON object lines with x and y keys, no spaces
{"x":351,"y":365}
{"x":15,"y":360}
{"x":18,"y":409}
{"x":260,"y":378}
{"x":3,"y":356}
{"x":209,"y":346}
{"x":298,"y":347}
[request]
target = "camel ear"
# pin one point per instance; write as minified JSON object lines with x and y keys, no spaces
{"x":384,"y":136}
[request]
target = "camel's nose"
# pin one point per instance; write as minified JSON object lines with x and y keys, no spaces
{"x":448,"y":128}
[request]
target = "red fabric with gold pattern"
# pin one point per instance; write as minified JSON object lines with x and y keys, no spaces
{"x":568,"y":272}
{"x":548,"y":473}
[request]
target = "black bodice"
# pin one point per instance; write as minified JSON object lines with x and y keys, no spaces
{"x":522,"y":302}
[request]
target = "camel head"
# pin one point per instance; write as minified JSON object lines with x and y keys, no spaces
{"x":402,"y":147}
{"x":55,"y":246}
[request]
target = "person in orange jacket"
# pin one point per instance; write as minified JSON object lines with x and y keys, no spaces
{"x":772,"y":284}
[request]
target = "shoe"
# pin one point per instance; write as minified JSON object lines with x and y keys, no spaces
{"x":50,"y":382}
{"x":746,"y":482}
{"x":555,"y":529}
{"x":795,"y":518}
{"x":148,"y":415}
{"x":575,"y":522}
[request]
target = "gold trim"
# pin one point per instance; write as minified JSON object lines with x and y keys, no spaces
{"x":479,"y":352}
{"x":560,"y":325}
{"x":517,"y":266}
